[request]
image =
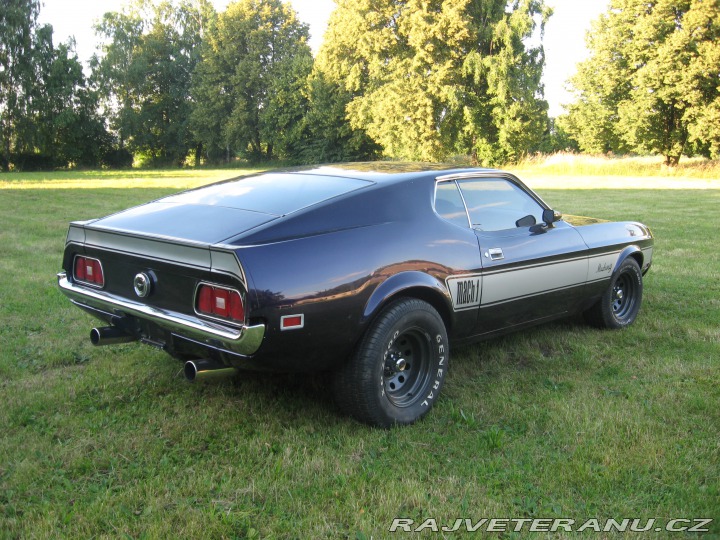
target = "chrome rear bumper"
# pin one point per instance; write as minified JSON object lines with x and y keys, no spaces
{"x":244,"y":341}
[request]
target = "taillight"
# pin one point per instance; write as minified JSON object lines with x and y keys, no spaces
{"x":89,"y":270}
{"x":222,"y":302}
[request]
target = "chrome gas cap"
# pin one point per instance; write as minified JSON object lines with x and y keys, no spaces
{"x":142,"y":283}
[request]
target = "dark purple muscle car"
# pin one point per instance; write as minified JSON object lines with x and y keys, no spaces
{"x":370,"y":271}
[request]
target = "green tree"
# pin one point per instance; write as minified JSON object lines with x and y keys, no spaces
{"x":18,"y":19}
{"x":145,"y":70}
{"x":327,"y":134}
{"x":429,"y":78}
{"x":505,"y":114}
{"x":651,"y":82}
{"x":68,"y":129}
{"x":249,"y":89}
{"x":48,"y":114}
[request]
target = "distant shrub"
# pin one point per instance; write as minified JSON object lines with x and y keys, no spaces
{"x":117,"y":158}
{"x":32,"y":162}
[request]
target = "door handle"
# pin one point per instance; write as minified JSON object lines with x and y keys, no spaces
{"x":496,"y":254}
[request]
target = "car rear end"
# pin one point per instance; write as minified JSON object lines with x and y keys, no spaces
{"x":167,"y":273}
{"x":186,"y":298}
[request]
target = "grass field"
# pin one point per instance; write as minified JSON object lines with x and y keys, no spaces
{"x":562,"y":421}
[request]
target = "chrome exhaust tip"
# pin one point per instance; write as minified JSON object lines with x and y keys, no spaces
{"x":205,"y":370}
{"x":109,"y":335}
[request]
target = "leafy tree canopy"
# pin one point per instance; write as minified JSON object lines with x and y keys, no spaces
{"x":652,"y":82}
{"x":249,"y":89}
{"x":429,"y":78}
{"x":48,"y":112}
{"x":18,"y":20}
{"x":144,"y":72}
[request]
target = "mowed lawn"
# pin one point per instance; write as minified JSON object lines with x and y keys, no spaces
{"x":561,"y":421}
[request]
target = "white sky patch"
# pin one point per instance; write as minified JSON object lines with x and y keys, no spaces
{"x":565,"y":46}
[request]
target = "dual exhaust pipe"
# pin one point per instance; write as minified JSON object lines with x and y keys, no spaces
{"x":207,"y":370}
{"x":109,"y":335}
{"x":194,"y":370}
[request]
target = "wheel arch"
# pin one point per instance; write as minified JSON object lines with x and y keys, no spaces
{"x":410,"y":285}
{"x":631,"y":251}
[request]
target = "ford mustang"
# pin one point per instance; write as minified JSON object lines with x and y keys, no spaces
{"x":369,"y":271}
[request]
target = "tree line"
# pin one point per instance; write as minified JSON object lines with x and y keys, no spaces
{"x":174,"y":83}
{"x":652,"y":82}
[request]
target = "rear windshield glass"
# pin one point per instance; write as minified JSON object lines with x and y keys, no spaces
{"x":274,"y":193}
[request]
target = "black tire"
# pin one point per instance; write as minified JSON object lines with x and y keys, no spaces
{"x":619,"y":305}
{"x":398,"y":369}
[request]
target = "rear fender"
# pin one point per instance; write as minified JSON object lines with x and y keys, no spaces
{"x":430,"y":288}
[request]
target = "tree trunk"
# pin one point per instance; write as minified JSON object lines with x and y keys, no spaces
{"x":672,"y":161}
{"x":5,"y":159}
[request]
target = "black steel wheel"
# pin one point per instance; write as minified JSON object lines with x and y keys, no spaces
{"x":399,"y":367}
{"x":620,"y":303}
{"x":407,"y":366}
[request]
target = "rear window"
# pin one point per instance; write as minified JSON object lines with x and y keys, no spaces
{"x":274,"y":193}
{"x":449,"y":204}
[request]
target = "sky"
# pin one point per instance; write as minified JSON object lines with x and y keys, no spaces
{"x":564,"y":34}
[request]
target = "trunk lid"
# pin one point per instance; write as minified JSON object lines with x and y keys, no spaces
{"x":197,"y":223}
{"x":217,"y":212}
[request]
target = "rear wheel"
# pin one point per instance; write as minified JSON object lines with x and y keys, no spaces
{"x":621,"y":301}
{"x":397,"y":371}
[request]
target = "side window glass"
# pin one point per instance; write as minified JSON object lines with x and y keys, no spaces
{"x":496,"y":204}
{"x":449,"y":204}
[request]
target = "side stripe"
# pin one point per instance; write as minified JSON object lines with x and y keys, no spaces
{"x":483,"y":306}
{"x":506,"y":284}
{"x":533,"y":280}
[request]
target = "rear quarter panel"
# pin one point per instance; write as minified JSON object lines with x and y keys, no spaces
{"x":378,"y":245}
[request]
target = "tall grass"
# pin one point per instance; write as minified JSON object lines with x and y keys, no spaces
{"x":112,"y":179}
{"x":566,"y":164}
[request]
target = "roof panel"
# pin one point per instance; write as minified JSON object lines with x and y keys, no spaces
{"x":277,"y":194}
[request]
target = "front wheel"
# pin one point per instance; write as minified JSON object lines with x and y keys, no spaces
{"x":619,"y":305}
{"x":398,"y":369}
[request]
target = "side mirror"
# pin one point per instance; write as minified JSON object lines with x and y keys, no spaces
{"x":550,"y":216}
{"x":527,"y":221}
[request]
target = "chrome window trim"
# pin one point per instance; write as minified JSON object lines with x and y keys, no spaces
{"x":482,"y":175}
{"x":467,"y":210}
{"x":467,"y":215}
{"x":492,"y":173}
